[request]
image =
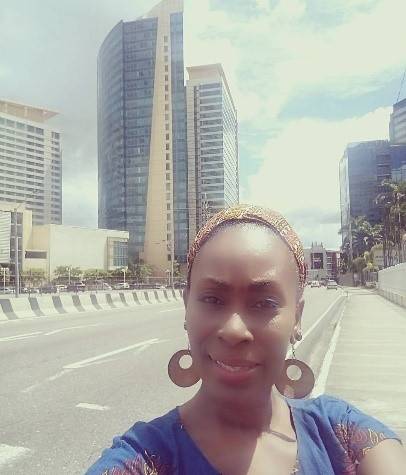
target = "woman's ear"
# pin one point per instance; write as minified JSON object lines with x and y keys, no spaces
{"x":298,"y":318}
{"x":185,"y":295}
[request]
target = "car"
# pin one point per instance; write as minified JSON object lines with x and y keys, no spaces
{"x":76,"y":287}
{"x":6,"y":290}
{"x":332,"y":284}
{"x":48,"y":289}
{"x":61,"y":288}
{"x":370,"y":284}
{"x":121,"y":286}
{"x":315,"y":283}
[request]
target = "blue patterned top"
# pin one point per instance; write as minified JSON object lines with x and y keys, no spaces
{"x":332,"y":437}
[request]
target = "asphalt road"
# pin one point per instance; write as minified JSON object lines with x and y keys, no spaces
{"x":69,"y":383}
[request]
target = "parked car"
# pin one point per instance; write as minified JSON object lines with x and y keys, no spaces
{"x":122,"y":285}
{"x":332,"y":284}
{"x":6,"y":290}
{"x":61,"y":288}
{"x":76,"y":287}
{"x":48,"y":289}
{"x":370,"y":284}
{"x":315,"y":283}
{"x":179,"y":285}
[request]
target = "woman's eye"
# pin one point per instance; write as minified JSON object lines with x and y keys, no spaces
{"x":267,"y":304}
{"x":211,"y":299}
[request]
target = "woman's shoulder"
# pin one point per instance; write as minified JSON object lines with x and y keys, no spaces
{"x":147,"y":447}
{"x":346,"y":431}
{"x":339,"y":414}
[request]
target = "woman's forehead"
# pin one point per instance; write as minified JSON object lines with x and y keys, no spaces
{"x":249,"y":249}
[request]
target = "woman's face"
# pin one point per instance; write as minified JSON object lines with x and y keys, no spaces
{"x":241,"y":310}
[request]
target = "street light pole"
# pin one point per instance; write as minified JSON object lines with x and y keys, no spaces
{"x":16,"y":263}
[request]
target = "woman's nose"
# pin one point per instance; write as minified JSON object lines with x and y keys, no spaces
{"x":235,"y":331}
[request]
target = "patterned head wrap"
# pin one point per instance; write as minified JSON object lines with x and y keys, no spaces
{"x":251,"y":214}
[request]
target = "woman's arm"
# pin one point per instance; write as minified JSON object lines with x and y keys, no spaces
{"x":386,"y":458}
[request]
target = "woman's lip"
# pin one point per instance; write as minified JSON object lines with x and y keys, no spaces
{"x":234,"y":363}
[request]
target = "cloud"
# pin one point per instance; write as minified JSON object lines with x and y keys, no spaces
{"x":271,"y":51}
{"x":299,"y":174}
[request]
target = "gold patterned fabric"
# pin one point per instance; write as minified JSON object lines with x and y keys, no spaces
{"x":252,"y":214}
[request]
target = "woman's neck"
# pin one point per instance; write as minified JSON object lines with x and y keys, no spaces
{"x":259,"y":417}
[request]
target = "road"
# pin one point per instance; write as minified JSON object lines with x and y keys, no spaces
{"x":70,"y":383}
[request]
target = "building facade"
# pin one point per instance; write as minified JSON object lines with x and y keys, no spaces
{"x":397,"y":124}
{"x":142,"y":151}
{"x":48,"y":246}
{"x":322,"y":264}
{"x":30,"y":161}
{"x":363,"y":168}
{"x":212,"y":132}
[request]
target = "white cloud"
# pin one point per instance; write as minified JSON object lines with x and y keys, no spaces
{"x":299,"y":172}
{"x":283,"y":54}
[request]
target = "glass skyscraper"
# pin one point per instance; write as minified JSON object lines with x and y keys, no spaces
{"x":142,"y":150}
{"x":363,"y":168}
{"x":397,"y":124}
{"x":212,"y":144}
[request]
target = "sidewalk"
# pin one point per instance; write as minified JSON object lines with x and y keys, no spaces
{"x":368,"y":367}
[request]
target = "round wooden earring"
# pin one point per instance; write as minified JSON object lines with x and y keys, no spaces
{"x":183,"y":377}
{"x":296,"y":388}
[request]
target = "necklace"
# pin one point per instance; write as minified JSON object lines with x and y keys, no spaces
{"x":281,"y":436}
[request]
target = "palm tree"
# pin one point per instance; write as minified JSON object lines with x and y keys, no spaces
{"x":392,"y":202}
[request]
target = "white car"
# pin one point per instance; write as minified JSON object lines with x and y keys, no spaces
{"x":314,"y":283}
{"x":332,"y":284}
{"x":122,"y":285}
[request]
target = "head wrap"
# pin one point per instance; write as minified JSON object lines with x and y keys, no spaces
{"x":251,"y":214}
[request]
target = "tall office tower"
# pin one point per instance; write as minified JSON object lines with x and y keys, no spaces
{"x":212,"y":133}
{"x":30,"y":161}
{"x":397,"y":124}
{"x":142,"y":135}
{"x":363,"y":168}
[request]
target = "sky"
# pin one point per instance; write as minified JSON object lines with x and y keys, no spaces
{"x":307,"y":77}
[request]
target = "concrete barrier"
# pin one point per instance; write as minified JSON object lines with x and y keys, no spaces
{"x":6,"y":310}
{"x":68,"y":303}
{"x":22,"y":308}
{"x":135,"y":298}
{"x":47,"y":306}
{"x":63,"y":304}
{"x":392,"y":284}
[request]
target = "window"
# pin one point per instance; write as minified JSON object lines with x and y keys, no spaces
{"x":35,"y":254}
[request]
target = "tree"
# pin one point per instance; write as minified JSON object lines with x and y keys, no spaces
{"x":141,"y":272}
{"x":176,"y":270}
{"x":392,"y":202}
{"x":62,"y":273}
{"x":33,"y":277}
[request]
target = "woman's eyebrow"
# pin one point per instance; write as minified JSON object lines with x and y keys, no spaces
{"x":264,"y":284}
{"x":216,"y":282}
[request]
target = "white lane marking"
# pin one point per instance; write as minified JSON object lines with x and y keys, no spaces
{"x":89,"y":361}
{"x":94,"y":407}
{"x":318,"y":320}
{"x":51,"y":378}
{"x":321,"y":382}
{"x":54,"y":332}
{"x":20,"y":337}
{"x":8,"y":453}
{"x":171,"y":309}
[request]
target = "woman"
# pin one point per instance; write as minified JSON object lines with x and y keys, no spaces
{"x":244,"y":302}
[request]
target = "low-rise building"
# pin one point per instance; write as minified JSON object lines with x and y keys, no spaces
{"x":49,"y":246}
{"x":322,"y":264}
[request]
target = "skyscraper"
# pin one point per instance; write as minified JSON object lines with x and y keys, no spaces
{"x":30,"y":161}
{"x":397,"y":124}
{"x":363,"y":168}
{"x":142,"y":151}
{"x":212,"y":144}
